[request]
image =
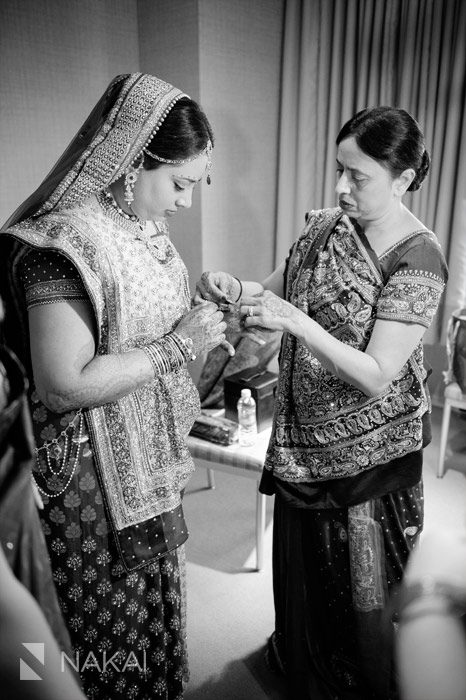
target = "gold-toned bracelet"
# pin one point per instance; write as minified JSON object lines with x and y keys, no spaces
{"x":434,"y":598}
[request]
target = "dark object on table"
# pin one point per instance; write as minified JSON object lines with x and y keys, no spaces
{"x":263,"y":385}
{"x":215,"y":429}
{"x":219,"y":365}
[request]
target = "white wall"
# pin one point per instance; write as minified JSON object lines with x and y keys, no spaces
{"x":240,"y":52}
{"x":169,"y":49}
{"x":226,"y":55}
{"x":56,"y":58}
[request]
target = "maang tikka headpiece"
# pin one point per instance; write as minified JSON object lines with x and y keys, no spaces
{"x":207,"y":151}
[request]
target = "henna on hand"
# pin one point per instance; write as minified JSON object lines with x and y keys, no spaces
{"x":268,"y":311}
{"x":275,"y":305}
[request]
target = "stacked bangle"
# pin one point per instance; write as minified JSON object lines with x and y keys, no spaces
{"x":186,"y":346}
{"x":169,"y":353}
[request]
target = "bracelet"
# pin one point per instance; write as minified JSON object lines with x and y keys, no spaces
{"x":240,"y":288}
{"x":165,"y":355}
{"x":186,"y":345}
{"x":439,"y":598}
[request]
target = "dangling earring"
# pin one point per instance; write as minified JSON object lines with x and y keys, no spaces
{"x":131,"y":176}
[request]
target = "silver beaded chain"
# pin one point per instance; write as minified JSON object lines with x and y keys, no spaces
{"x":54,"y":451}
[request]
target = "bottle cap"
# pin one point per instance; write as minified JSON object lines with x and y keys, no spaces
{"x":245,"y":393}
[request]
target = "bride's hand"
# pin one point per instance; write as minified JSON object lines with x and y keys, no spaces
{"x":205,"y":325}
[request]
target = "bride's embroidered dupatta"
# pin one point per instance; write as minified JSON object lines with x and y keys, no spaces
{"x":325,"y":428}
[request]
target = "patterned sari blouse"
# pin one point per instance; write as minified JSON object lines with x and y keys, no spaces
{"x":325,"y":428}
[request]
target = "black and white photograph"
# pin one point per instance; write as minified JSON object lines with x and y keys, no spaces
{"x":233,"y":350}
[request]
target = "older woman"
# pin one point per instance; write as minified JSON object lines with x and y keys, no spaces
{"x":98,"y":308}
{"x":354,"y":298}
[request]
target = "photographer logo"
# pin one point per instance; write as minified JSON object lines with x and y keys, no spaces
{"x":35,"y":649}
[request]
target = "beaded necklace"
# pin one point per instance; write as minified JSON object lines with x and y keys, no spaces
{"x":130,"y":221}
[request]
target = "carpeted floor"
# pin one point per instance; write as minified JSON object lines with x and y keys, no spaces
{"x":230,"y":606}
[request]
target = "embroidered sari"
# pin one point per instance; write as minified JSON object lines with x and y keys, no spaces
{"x":324,"y":427}
{"x":346,"y":468}
{"x":111,"y":476}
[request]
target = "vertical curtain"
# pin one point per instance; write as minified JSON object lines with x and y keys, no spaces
{"x":340,"y":56}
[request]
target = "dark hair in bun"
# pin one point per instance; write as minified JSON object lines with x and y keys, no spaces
{"x":392,"y":137}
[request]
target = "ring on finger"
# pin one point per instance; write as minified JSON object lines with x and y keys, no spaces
{"x":250,"y":311}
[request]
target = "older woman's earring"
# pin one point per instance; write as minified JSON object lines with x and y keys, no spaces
{"x":131,"y":176}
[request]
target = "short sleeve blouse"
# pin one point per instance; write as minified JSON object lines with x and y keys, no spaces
{"x":49,"y":277}
{"x":415,"y":274}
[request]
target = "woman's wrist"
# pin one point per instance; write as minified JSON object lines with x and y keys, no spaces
{"x":296,"y":325}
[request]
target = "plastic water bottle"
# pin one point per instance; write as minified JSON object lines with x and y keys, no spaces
{"x":247,"y":431}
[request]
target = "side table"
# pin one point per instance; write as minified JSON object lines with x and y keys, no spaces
{"x":240,"y":461}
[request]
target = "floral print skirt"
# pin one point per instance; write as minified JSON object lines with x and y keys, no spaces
{"x":127,"y":629}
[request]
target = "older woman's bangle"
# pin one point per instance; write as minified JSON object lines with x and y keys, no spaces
{"x":240,"y":288}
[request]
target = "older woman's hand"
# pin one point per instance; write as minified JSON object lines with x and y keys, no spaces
{"x":268,"y":310}
{"x":217,"y":287}
{"x":205,"y":326}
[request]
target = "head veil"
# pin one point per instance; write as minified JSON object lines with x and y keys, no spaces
{"x":121,"y":124}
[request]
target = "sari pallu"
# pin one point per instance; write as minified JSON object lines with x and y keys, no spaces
{"x":138,"y":440}
{"x":324,"y":428}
